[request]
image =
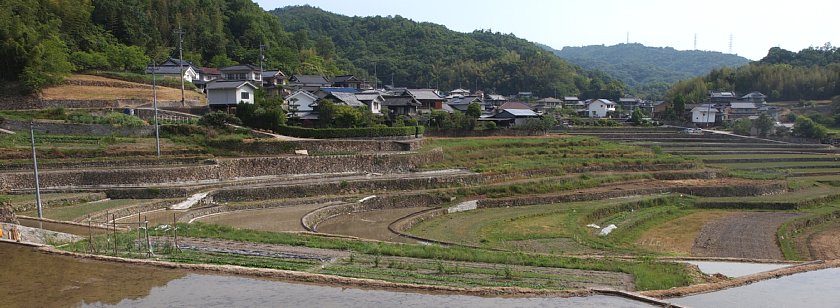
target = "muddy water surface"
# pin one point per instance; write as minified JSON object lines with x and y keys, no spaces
{"x":156,"y":217}
{"x":275,"y":220}
{"x":227,"y":291}
{"x":811,"y":289}
{"x":31,"y":279}
{"x":370,"y":225}
{"x":735,"y":269}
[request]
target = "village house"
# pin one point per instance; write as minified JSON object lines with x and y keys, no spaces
{"x":461,"y":103}
{"x":300,"y":101}
{"x":738,"y":110}
{"x":404,"y":105}
{"x":549,"y":103}
{"x":189,"y":74}
{"x":599,"y":108}
{"x":628,"y":104}
{"x":309,"y":83}
{"x":374,"y":100}
{"x":755,"y":97}
{"x":572,"y":102}
{"x":347,"y":81}
{"x":205,"y":75}
{"x":722,"y":97}
{"x":458,"y":92}
{"x":274,"y":82}
{"x":428,"y":98}
{"x":226,"y":94}
{"x":705,"y":114}
{"x":495,"y":100}
{"x":240,"y":72}
{"x":514,"y":117}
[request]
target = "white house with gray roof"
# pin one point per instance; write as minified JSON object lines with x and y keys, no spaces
{"x":229,"y":93}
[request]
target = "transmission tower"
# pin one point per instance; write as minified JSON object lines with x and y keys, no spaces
{"x":730,"y":43}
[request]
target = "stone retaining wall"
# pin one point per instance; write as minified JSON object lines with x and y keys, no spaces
{"x":30,"y":205}
{"x":343,"y":187}
{"x":148,"y":193}
{"x":7,"y":214}
{"x":263,"y":146}
{"x":129,"y":211}
{"x":224,"y":169}
{"x":59,"y":128}
{"x":29,"y":102}
{"x":132,"y":163}
{"x":704,"y":191}
{"x":311,"y":220}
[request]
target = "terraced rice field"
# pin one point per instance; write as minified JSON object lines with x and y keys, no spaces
{"x":276,"y":220}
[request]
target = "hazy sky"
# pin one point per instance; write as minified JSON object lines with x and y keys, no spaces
{"x":755,"y":26}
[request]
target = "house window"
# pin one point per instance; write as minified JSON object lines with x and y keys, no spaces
{"x":245,"y":95}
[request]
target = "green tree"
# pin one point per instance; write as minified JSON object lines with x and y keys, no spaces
{"x":637,"y":116}
{"x":219,"y":119}
{"x":473,"y":110}
{"x":763,"y":124}
{"x":805,"y":127}
{"x":742,"y":126}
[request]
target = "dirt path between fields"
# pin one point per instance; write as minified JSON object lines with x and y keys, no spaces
{"x":746,"y":235}
{"x":825,"y":245}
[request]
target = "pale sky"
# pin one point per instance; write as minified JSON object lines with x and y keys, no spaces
{"x":755,"y":26}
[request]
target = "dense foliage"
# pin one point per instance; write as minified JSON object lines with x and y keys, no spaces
{"x":410,"y":54}
{"x":44,"y":40}
{"x":811,"y":74}
{"x":648,"y":70}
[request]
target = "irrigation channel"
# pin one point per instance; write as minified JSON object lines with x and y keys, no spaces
{"x":35,"y":279}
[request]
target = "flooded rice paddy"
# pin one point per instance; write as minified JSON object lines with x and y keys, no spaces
{"x":810,"y":289}
{"x":33,"y":279}
{"x":735,"y":269}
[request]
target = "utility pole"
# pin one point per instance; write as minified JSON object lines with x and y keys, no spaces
{"x":628,"y":37}
{"x":180,"y":33}
{"x":262,"y":58}
{"x":35,"y":164}
{"x":154,"y":102}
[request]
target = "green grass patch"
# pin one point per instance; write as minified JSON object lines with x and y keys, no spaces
{"x":506,"y":155}
{"x":200,"y":257}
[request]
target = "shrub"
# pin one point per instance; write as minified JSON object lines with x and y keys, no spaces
{"x":219,"y":119}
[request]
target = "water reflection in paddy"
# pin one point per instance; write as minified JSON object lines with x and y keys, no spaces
{"x":735,"y":269}
{"x":32,"y":279}
{"x":226,"y":291}
{"x":811,"y":289}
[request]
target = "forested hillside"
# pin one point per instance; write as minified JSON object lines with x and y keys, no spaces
{"x":810,"y":74}
{"x":44,"y":40}
{"x":649,"y":70}
{"x":429,"y":55}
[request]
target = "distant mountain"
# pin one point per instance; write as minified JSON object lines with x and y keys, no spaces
{"x":421,"y":54}
{"x":643,"y":67}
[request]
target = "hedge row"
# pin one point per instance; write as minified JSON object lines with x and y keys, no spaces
{"x":326,"y":133}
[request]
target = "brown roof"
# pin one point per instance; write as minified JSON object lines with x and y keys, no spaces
{"x":514,"y":105}
{"x":209,"y":71}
